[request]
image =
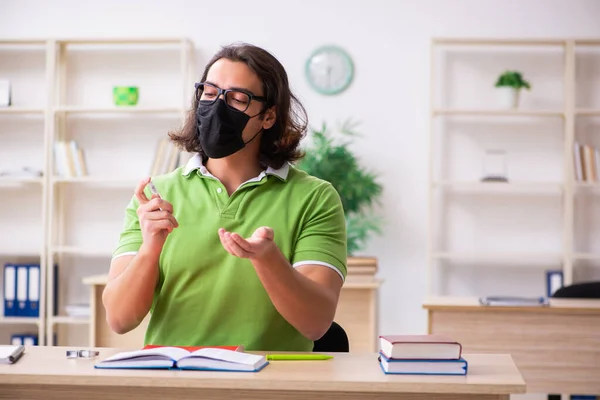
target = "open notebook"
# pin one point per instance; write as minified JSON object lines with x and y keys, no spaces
{"x":212,"y":359}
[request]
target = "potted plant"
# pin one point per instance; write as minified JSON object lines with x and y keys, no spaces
{"x":510,"y":84}
{"x":333,"y":161}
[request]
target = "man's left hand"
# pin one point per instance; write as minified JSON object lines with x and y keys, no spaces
{"x":260,"y":243}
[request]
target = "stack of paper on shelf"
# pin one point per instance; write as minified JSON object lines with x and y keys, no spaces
{"x":421,"y":355}
{"x":166,"y":159}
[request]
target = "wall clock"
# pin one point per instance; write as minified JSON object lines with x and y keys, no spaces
{"x":329,"y":70}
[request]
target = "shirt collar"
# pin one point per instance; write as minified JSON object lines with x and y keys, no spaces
{"x":195,"y":163}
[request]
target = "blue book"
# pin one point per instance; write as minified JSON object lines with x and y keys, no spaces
{"x":10,"y":290}
{"x":204,"y":359}
{"x":423,"y":367}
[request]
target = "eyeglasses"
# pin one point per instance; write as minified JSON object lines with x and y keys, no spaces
{"x":236,"y":99}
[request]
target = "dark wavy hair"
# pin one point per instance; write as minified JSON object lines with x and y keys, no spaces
{"x":280,"y":143}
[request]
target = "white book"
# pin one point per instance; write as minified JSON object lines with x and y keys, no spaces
{"x":577,"y":162}
{"x":207,"y":358}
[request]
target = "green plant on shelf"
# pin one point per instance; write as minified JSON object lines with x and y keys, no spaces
{"x":333,"y":161}
{"x":512,"y":79}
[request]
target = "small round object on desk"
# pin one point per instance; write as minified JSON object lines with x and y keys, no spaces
{"x":88,"y":353}
{"x":72,"y":353}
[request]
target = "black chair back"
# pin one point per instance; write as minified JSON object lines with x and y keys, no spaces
{"x":334,"y":340}
{"x":583,"y":290}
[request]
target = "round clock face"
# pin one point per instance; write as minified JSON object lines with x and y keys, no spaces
{"x":329,"y":70}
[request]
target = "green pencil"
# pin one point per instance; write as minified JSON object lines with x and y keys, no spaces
{"x":296,"y":357}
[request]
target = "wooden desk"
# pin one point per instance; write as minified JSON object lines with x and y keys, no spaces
{"x":357,"y":313}
{"x":556,"y":348}
{"x":45,"y":373}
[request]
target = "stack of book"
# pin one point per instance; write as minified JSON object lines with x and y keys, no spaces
{"x":362,"y":266}
{"x":421,"y":355}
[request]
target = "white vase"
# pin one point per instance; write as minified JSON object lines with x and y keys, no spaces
{"x":508,"y":97}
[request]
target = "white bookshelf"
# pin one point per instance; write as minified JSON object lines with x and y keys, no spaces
{"x":565,"y":78}
{"x":62,"y":91}
{"x":22,"y":145}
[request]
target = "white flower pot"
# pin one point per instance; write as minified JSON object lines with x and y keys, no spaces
{"x":508,"y":97}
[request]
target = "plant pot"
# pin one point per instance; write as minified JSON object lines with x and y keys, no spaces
{"x":508,"y":97}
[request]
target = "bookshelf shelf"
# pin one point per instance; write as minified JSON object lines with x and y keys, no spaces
{"x":588,"y":112}
{"x":505,"y":258}
{"x":82,"y":251}
{"x":10,"y":180}
{"x":499,"y":113}
{"x":133,"y":110}
{"x":500,"y":187}
{"x":586,"y":256}
{"x":68,"y":320}
{"x":15,"y":110}
{"x":587,"y":185}
{"x":19,"y":320}
{"x":498,"y":42}
{"x":100,"y":180}
{"x":19,"y":253}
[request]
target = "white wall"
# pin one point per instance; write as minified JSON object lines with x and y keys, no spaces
{"x":389,"y":41}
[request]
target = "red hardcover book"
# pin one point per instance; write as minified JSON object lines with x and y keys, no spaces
{"x":420,"y":347}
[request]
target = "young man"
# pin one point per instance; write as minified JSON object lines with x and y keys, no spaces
{"x":240,"y":248}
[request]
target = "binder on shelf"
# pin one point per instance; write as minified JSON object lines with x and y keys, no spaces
{"x":554,"y":281}
{"x":10,"y":289}
{"x":33,"y":291}
{"x":30,"y":340}
{"x":16,"y":340}
{"x":25,"y":339}
{"x":22,"y":285}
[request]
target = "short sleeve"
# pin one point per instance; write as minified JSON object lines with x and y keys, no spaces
{"x":322,"y":239}
{"x":130,"y":238}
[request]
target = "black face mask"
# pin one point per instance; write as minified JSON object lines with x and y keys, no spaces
{"x":220,"y":129}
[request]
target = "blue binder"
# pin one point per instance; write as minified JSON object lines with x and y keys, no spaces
{"x":33,"y":291}
{"x":30,"y":340}
{"x":16,"y":340}
{"x":22,"y":285}
{"x":10,"y":290}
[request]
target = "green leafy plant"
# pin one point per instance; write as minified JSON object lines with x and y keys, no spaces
{"x":512,"y":79}
{"x":333,"y":161}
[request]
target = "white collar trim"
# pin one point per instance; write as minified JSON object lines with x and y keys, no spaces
{"x":195,"y":163}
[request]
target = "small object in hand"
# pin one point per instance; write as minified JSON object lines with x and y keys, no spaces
{"x":82,"y":353}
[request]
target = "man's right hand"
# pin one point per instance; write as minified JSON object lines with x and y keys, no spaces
{"x":156,"y":219}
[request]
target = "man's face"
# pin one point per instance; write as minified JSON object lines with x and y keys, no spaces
{"x":227,"y":74}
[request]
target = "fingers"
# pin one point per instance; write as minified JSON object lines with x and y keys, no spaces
{"x":160,"y":215}
{"x":139,"y":191}
{"x":224,"y":242}
{"x":231,"y":245}
{"x":158,"y":204}
{"x":241,"y":242}
{"x":164,"y":224}
{"x":265,"y":232}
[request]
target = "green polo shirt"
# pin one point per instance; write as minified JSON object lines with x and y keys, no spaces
{"x":206,"y":296}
